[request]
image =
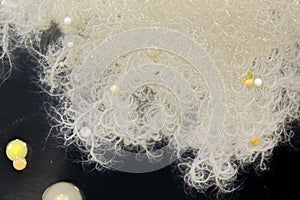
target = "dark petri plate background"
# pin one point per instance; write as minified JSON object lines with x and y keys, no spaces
{"x":22,"y":116}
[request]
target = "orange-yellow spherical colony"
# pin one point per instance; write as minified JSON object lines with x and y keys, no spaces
{"x":20,"y":164}
{"x":248,"y":79}
{"x":256,"y":141}
{"x":16,"y":149}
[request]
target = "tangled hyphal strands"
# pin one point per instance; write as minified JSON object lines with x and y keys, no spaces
{"x":219,"y":79}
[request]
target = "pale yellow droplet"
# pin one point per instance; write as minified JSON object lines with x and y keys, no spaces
{"x":114,"y":89}
{"x":153,"y":53}
{"x":264,"y":40}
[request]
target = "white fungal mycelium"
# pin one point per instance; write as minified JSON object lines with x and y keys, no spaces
{"x":139,"y":75}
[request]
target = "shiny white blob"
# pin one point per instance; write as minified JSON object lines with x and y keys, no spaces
{"x":62,"y":191}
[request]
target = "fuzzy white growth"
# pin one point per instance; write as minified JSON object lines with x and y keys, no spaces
{"x":164,"y":93}
{"x":5,"y":49}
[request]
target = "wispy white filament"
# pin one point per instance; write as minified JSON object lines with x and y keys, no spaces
{"x":156,"y":89}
